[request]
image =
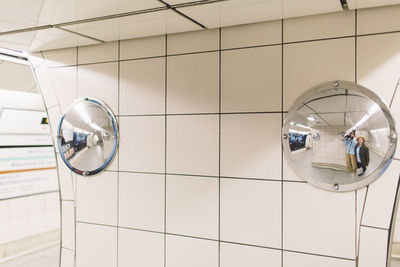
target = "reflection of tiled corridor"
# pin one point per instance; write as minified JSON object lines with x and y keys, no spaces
{"x":48,"y":257}
{"x":304,"y":158}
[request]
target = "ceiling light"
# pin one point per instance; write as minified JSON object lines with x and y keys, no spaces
{"x":310,"y":118}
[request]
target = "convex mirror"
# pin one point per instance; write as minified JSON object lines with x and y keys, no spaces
{"x":339,"y":136}
{"x":87,"y":136}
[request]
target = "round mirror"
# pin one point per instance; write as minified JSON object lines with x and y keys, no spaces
{"x":339,"y":136}
{"x":87,"y":136}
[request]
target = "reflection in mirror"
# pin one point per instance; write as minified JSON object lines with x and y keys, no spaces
{"x":339,"y":136}
{"x":29,"y":191}
{"x":88,"y":136}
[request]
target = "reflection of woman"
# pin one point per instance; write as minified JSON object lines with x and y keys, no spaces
{"x":362,"y":154}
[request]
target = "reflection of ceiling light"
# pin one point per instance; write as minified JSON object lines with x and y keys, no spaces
{"x":310,"y":118}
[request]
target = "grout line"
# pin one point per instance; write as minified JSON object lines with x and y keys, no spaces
{"x":320,"y":255}
{"x":356,"y":248}
{"x":119,"y":97}
{"x":215,"y":240}
{"x":204,"y":114}
{"x":219,"y":144}
{"x":165,"y":146}
{"x":374,"y":227}
{"x":394,"y":93}
{"x":282,"y":101}
{"x":361,"y":219}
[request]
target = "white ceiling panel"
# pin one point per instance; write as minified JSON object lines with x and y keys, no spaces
{"x":19,"y":14}
{"x":234,"y":12}
{"x":19,"y":41}
{"x":55,"y":38}
{"x":148,"y":24}
{"x":358,"y":4}
{"x":296,"y":8}
{"x":60,"y":11}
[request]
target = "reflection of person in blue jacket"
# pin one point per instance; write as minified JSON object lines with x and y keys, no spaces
{"x":350,"y":144}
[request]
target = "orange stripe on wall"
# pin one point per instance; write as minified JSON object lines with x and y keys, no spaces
{"x":28,"y":170}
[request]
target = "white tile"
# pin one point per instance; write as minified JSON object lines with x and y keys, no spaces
{"x":192,"y":206}
{"x":291,"y":259}
{"x":36,"y":204}
{"x":311,"y":222}
{"x":46,"y":86}
{"x":192,"y":144}
{"x":97,"y":198}
{"x":308,"y":64}
{"x":319,"y":26}
{"x":142,"y":47}
{"x":68,"y":225}
{"x":183,"y":252}
{"x":52,"y":219}
{"x":373,"y":247}
{"x":37,"y":224}
{"x":251,"y":79}
{"x":4,"y":210}
{"x":100,"y":81}
{"x":250,"y":146}
{"x":195,"y":41}
{"x":19,"y":227}
{"x":193,"y":83}
{"x":65,"y":180}
{"x":55,"y":38}
{"x":96,"y":245}
{"x":137,"y":248}
{"x":374,"y":20}
{"x":67,"y":258}
{"x":98,"y":53}
{"x":378,"y":62}
{"x":64,"y":81}
{"x":251,"y":212}
{"x":60,"y":57}
{"x":141,"y":201}
{"x":18,"y":207}
{"x":380,"y":198}
{"x":289,"y":174}
{"x":261,"y":33}
{"x":142,"y":144}
{"x":142,"y":87}
{"x":5,"y":232}
{"x":233,"y":255}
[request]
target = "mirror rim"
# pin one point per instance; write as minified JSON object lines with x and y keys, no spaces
{"x":111,"y":116}
{"x":340,"y":84}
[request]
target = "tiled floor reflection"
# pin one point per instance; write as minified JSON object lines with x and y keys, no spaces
{"x":48,"y":257}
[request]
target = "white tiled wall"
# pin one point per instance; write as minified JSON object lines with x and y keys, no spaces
{"x":200,"y":179}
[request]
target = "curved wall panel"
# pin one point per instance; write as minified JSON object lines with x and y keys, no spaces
{"x":200,"y":174}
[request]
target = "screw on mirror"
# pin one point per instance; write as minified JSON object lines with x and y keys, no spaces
{"x":336,"y":187}
{"x":85,"y":173}
{"x":285,"y":136}
{"x":106,"y":136}
{"x":336,"y":84}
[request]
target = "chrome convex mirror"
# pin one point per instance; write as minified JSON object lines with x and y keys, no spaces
{"x":87,"y":136}
{"x":339,"y":136}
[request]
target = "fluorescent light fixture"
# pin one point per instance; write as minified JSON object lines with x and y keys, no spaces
{"x":13,"y":56}
{"x":310,"y":118}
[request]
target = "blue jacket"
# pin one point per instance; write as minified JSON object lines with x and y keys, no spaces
{"x":350,"y":145}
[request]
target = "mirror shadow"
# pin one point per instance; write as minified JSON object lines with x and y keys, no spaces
{"x":338,"y":136}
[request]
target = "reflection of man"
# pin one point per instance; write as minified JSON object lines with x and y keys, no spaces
{"x":308,"y":141}
{"x":350,"y":144}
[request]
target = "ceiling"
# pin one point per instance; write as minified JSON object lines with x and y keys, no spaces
{"x":36,"y":25}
